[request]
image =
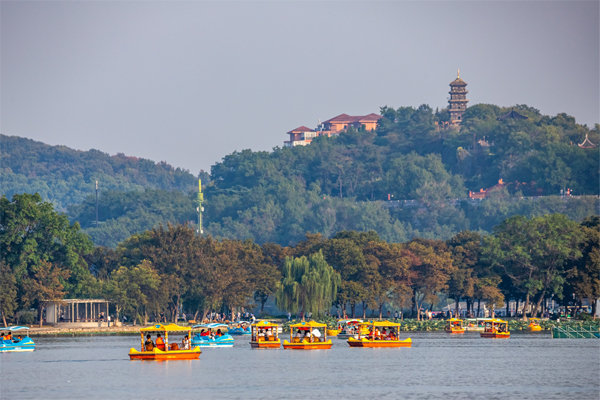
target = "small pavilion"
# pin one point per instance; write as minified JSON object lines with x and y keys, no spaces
{"x":83,"y":312}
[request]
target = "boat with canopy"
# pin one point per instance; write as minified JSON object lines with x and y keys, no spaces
{"x":309,"y":335}
{"x":241,"y":328}
{"x":495,"y":329}
{"x":162,"y":349}
{"x":475,"y":324}
{"x":348,"y":328}
{"x":379,"y":334}
{"x":264,"y":335}
{"x":211,"y":335}
{"x":454,"y":325}
{"x":534,"y":325}
{"x":13,"y":340}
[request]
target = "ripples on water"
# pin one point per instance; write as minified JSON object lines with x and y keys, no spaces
{"x":438,"y":366}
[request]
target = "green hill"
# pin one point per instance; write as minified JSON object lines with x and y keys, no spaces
{"x":66,"y":176}
{"x":334,"y":184}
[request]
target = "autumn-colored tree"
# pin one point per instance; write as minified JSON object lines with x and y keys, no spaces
{"x":430,"y":274}
{"x":46,"y":285}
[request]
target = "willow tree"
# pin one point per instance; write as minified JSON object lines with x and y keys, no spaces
{"x":309,"y":284}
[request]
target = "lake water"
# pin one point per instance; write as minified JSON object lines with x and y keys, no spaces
{"x":438,"y":366}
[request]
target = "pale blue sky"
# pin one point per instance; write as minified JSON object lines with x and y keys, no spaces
{"x":189,"y":82}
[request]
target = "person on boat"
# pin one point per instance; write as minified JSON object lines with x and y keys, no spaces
{"x":18,"y":339}
{"x":185,"y":343}
{"x":148,"y":344}
{"x":218,"y":334}
{"x":160,"y":343}
{"x":204,"y":332}
{"x":8,"y":336}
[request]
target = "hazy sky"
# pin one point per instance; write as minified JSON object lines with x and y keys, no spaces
{"x":190,"y":82}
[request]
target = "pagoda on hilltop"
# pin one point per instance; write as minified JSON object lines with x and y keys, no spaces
{"x":458,"y":100}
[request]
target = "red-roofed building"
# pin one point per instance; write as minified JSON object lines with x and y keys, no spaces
{"x":302,"y":136}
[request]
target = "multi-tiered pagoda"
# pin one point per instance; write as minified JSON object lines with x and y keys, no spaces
{"x":458,"y":100}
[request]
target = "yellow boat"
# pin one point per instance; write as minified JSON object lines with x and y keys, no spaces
{"x":495,"y":329}
{"x":264,"y":335}
{"x":379,"y":334}
{"x":534,"y":325}
{"x":308,"y":337}
{"x":454,"y":325}
{"x":332,"y":332}
{"x":166,"y":351}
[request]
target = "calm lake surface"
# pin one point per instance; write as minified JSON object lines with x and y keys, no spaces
{"x":526,"y":366}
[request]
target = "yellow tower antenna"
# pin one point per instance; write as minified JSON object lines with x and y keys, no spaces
{"x":458,"y":74}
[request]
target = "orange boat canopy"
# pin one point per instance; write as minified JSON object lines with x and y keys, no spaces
{"x":166,"y":328}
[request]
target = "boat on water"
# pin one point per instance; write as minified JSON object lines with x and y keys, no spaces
{"x":162,"y":349}
{"x":495,"y":329}
{"x":454,"y":325}
{"x":475,"y":324}
{"x":13,"y":340}
{"x":348,"y":328}
{"x":211,"y":335}
{"x":265,"y":335}
{"x":309,"y":335}
{"x":534,"y":325}
{"x":241,"y":328}
{"x":379,"y":334}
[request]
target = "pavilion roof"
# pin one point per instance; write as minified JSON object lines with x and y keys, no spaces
{"x":586,"y":144}
{"x":512,"y":115}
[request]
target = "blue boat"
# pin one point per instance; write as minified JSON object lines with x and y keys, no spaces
{"x":211,"y":335}
{"x":16,"y":344}
{"x":243,"y":328}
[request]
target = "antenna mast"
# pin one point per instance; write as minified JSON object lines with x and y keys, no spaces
{"x":200,"y":208}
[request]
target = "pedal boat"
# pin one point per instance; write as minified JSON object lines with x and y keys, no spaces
{"x":15,"y":345}
{"x":348,"y":328}
{"x":243,"y":328}
{"x":264,"y":335}
{"x":534,"y":325}
{"x":495,"y":329}
{"x":454,"y":325}
{"x":376,"y":338}
{"x":475,"y":324}
{"x":171,"y":351}
{"x":314,"y":337}
{"x":217,"y":335}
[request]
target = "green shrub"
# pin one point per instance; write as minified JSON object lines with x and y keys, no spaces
{"x":26,"y":318}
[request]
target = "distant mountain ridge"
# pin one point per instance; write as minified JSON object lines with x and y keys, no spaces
{"x":66,"y":176}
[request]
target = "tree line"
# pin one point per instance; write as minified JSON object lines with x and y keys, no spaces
{"x":166,"y":269}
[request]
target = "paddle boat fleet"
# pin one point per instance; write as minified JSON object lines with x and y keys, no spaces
{"x":264,"y":335}
{"x":379,"y":334}
{"x":495,"y":329}
{"x":454,"y":325}
{"x":211,"y":335}
{"x":12,"y":342}
{"x":161,"y":349}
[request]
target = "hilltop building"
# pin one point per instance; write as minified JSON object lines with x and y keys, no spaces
{"x":458,"y":100}
{"x":587,"y":144}
{"x":302,"y":135}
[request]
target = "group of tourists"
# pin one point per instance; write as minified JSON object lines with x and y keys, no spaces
{"x":268,"y":335}
{"x":308,"y":336}
{"x":149,"y":345}
{"x":8,"y":336}
{"x":384,"y":334}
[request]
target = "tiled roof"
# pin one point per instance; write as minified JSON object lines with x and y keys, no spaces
{"x":458,"y":82}
{"x":300,"y":129}
{"x":350,"y":118}
{"x":370,"y":118}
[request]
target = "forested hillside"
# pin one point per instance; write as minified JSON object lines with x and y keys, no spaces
{"x":334,"y":184}
{"x":66,"y":176}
